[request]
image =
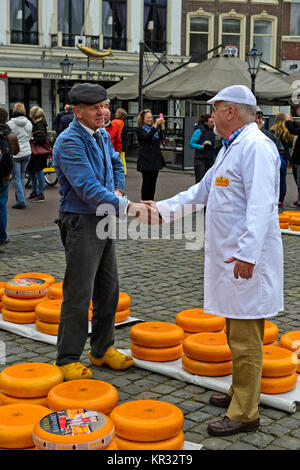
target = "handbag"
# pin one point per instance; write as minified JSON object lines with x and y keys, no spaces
{"x":40,"y":149}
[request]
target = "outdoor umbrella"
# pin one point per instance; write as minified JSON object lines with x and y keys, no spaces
{"x":128,"y":89}
{"x":207,"y":78}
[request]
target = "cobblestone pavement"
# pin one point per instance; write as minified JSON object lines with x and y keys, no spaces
{"x":162,"y":277}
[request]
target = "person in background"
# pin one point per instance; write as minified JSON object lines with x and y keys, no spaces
{"x":121,"y":122}
{"x":204,"y":142}
{"x":58,"y":118}
{"x":8,"y":146}
{"x":282,"y":148}
{"x":150,"y":160}
{"x":66,"y":119}
{"x":22,"y":127}
{"x":37,"y":162}
{"x":113,"y":131}
{"x":294,"y":129}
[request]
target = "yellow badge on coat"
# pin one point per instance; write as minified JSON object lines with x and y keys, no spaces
{"x":222,"y":181}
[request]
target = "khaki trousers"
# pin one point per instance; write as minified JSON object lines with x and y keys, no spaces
{"x":245,"y":340}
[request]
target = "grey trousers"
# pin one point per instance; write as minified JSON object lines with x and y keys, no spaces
{"x":91,"y":274}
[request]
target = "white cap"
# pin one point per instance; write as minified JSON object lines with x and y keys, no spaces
{"x":235,"y":94}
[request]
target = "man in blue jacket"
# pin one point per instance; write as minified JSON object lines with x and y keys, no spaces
{"x":90,"y":174}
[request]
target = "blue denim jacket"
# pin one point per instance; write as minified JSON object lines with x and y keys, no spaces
{"x":87,"y":178}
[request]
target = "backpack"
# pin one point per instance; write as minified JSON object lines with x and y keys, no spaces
{"x":6,"y":163}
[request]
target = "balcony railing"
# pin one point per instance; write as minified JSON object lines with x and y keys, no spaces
{"x":114,"y":43}
{"x":68,"y":40}
{"x":156,"y":45}
{"x":24,"y":37}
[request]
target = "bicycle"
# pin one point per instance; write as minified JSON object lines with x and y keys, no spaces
{"x":49,"y":175}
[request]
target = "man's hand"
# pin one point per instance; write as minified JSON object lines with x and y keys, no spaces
{"x":118,"y":192}
{"x":241,"y":268}
{"x":145,"y":214}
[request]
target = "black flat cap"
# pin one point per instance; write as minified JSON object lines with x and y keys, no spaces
{"x":87,"y":93}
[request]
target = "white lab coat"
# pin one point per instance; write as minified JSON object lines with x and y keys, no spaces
{"x":241,"y":222}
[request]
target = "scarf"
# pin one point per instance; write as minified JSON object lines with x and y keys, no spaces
{"x":148,"y":129}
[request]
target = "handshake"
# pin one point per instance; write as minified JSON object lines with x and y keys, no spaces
{"x":146,"y":212}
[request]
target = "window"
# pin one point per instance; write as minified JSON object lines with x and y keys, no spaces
{"x":155,"y":22}
{"x":114,"y":19}
{"x":263,"y":38}
{"x":70,"y":20}
{"x":199,"y":32}
{"x":24,"y":22}
{"x":295,"y":19}
{"x":231,"y":35}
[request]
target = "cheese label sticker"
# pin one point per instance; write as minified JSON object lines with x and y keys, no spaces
{"x":73,"y":422}
{"x":26,"y":281}
{"x":222,"y":181}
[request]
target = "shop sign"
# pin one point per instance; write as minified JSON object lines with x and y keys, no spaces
{"x":103,"y":76}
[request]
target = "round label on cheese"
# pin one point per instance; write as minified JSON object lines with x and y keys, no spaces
{"x":26,"y":281}
{"x":73,"y":429}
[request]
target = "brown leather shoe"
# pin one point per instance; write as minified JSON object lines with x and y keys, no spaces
{"x":221,"y":400}
{"x":226,"y":427}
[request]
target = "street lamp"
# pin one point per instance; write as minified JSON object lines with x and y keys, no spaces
{"x":66,"y":67}
{"x":254,"y":58}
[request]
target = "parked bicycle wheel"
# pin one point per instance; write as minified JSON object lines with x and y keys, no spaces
{"x":51,"y":178}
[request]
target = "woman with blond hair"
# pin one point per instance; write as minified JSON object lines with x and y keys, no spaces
{"x":22,"y":127}
{"x":280,"y":130}
{"x":150,"y":160}
{"x":38,"y":162}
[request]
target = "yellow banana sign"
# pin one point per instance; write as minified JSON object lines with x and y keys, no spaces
{"x":93,"y":54}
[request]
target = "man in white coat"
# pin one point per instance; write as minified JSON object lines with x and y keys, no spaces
{"x":243,"y":270}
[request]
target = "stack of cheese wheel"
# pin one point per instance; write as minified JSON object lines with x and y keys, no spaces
{"x":291,"y":341}
{"x":87,"y":393}
{"x":48,"y":316}
{"x":195,"y":320}
{"x":28,"y":383}
{"x":156,"y":341}
{"x":279,"y":370}
{"x":123,"y":309}
{"x":21,"y":297}
{"x":270,"y":334}
{"x":2,"y":284}
{"x":148,"y":425}
{"x":74,"y":429}
{"x":46,"y":276}
{"x":295,"y":223}
{"x":284,"y":221}
{"x":55,"y":291}
{"x":16,"y":425}
{"x":207,"y":354}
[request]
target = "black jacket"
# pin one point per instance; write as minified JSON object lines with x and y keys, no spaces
{"x":65,"y":121}
{"x":149,"y":156}
{"x":294,"y":129}
{"x":39,"y":135}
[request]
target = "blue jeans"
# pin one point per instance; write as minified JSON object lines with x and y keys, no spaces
{"x":3,"y":210}
{"x":37,"y":181}
{"x":282,"y":187}
{"x":18,"y":176}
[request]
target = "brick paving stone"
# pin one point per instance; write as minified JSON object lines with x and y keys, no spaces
{"x":258,"y":439}
{"x":215,"y":443}
{"x":288,"y":442}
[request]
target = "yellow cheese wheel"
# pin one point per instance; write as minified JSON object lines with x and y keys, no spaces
{"x":283,"y":218}
{"x":284,"y":225}
{"x":18,"y":317}
{"x":56,"y":291}
{"x":26,"y":288}
{"x":209,"y":369}
{"x":49,"y":311}
{"x":147,"y":420}
{"x":124,"y":301}
{"x":74,"y":429}
{"x":295,"y":228}
{"x":271,"y":332}
{"x":174,"y":443}
{"x":278,"y":362}
{"x":47,"y":277}
{"x":22,"y":305}
{"x":195,"y":320}
{"x":16,"y":424}
{"x":112,"y":446}
{"x":29,"y":379}
{"x":2,"y":285}
{"x":47,"y":328}
{"x":122,"y":315}
{"x":272,"y":385}
{"x":156,"y":334}
{"x":87,"y":393}
{"x":291,"y":213}
{"x":208,"y":347}
{"x":291,"y":341}
{"x":156,"y":354}
{"x":295,"y":220}
{"x":9,"y":400}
